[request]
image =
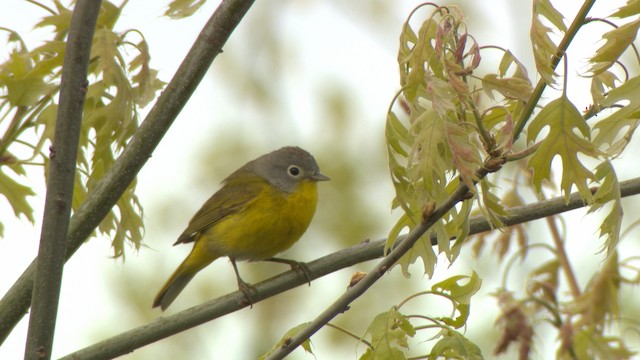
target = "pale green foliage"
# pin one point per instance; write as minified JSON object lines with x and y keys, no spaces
{"x":437,"y":142}
{"x":608,"y":192}
{"x":440,"y":127}
{"x":544,"y":49}
{"x":390,"y":331}
{"x":569,"y":135}
{"x":120,"y":82}
{"x":617,"y":42}
{"x":453,"y":345}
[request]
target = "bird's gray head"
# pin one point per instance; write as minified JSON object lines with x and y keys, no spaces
{"x":286,"y":167}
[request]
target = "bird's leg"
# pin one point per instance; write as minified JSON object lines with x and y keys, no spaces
{"x":297,"y":266}
{"x":246,"y":288}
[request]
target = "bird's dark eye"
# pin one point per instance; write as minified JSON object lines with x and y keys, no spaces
{"x":294,"y":170}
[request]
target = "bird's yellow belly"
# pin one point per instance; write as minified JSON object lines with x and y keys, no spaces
{"x":265,"y":227}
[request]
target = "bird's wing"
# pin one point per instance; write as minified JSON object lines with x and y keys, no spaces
{"x":230,"y":199}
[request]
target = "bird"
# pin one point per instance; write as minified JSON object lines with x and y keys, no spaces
{"x":262,"y":209}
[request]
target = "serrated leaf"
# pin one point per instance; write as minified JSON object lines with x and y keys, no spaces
{"x":460,"y":296}
{"x":16,"y":194}
{"x":569,"y":135}
{"x":510,"y":88}
{"x":439,"y":95}
{"x":464,"y":154}
{"x":630,"y":9}
{"x":625,"y":119}
{"x":491,"y":208}
{"x":454,"y":345}
{"x":421,"y":249}
{"x":601,"y":84}
{"x":608,"y":193}
{"x":24,"y":85}
{"x":617,"y":41}
{"x":306,"y":345}
{"x":389,"y":330}
{"x":544,"y":49}
{"x":508,"y":60}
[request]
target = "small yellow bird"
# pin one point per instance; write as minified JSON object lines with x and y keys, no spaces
{"x":262,"y":209}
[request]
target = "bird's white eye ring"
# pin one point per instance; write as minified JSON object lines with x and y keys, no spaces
{"x":294,"y":170}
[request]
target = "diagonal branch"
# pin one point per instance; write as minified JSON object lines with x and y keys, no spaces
{"x":57,"y":207}
{"x":429,"y":218}
{"x":166,"y":326}
{"x":208,"y":45}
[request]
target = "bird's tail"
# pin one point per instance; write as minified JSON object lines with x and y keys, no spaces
{"x":195,"y":262}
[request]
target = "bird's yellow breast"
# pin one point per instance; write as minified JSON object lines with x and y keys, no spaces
{"x":272,"y":222}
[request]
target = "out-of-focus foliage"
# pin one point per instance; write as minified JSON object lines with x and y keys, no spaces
{"x":120,"y":83}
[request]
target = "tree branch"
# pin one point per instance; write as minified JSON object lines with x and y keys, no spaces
{"x":429,"y":218}
{"x":208,"y":45}
{"x":170,"y":325}
{"x":63,"y":157}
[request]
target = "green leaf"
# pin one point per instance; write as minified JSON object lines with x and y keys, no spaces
{"x":617,"y":41}
{"x":608,"y":193}
{"x":464,"y":153}
{"x":421,"y":249}
{"x":492,"y":207}
{"x":454,"y":345}
{"x":601,"y":85}
{"x":24,"y":85}
{"x":460,"y":295}
{"x":569,"y":135}
{"x":16,"y":194}
{"x":387,"y":331}
{"x":306,"y":345}
{"x":520,"y":72}
{"x":510,"y":88}
{"x":544,"y":49}
{"x":630,"y":9}
{"x":623,"y":120}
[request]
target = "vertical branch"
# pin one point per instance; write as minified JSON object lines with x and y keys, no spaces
{"x":57,"y":207}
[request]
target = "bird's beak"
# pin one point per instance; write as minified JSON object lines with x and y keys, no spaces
{"x":320,"y":177}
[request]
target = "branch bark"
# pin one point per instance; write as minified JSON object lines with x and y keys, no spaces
{"x":208,"y":45}
{"x":63,"y":157}
{"x":166,"y":326}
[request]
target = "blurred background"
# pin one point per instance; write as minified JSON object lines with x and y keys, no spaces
{"x":310,"y":73}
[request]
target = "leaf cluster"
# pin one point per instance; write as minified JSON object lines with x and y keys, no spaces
{"x":120,"y":82}
{"x":447,"y":117}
